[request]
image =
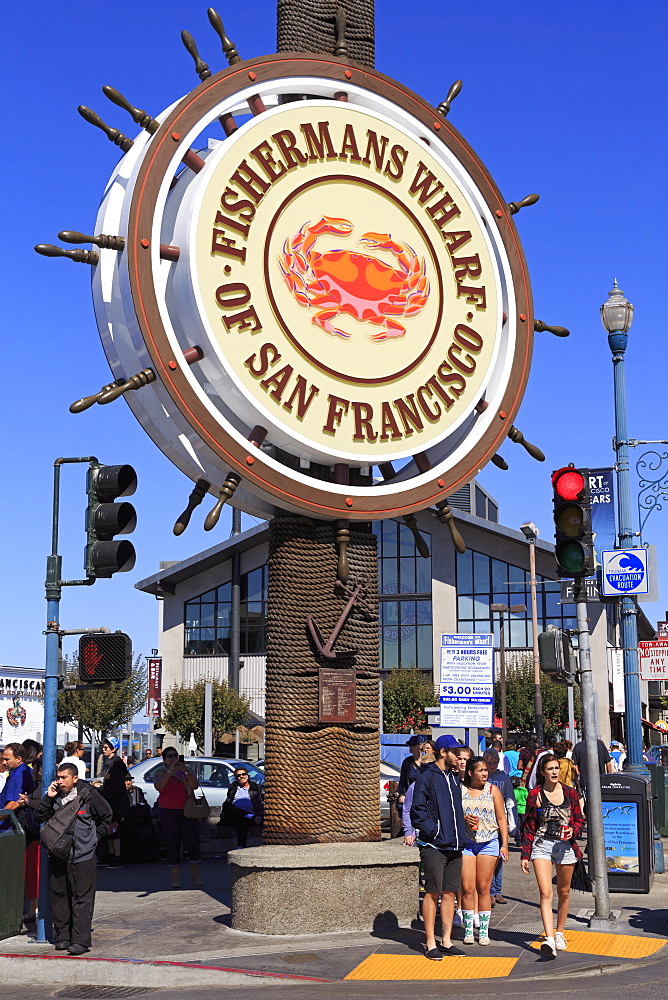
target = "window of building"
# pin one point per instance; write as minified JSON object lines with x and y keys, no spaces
{"x":207,"y":618}
{"x":483,"y":580}
{"x":404,"y":588}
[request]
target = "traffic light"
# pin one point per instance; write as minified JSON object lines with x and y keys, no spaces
{"x":574,"y":550}
{"x":556,"y":658}
{"x":104,"y":657}
{"x":104,"y":519}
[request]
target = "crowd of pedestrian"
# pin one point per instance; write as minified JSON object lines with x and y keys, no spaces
{"x":461,"y":810}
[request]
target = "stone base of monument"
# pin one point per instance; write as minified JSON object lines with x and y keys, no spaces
{"x":321,"y":888}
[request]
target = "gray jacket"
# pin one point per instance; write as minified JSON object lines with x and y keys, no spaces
{"x":91,"y":822}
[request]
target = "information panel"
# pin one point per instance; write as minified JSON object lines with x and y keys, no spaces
{"x":620,"y":830}
{"x":337,"y":701}
{"x":467,"y":680}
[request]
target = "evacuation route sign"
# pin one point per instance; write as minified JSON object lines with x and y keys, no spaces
{"x":625,"y":572}
{"x":467,"y":681}
{"x":653,"y":658}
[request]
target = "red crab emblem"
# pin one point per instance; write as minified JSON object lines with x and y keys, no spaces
{"x":341,"y":281}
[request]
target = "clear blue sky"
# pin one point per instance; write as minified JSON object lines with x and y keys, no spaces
{"x":565,"y":98}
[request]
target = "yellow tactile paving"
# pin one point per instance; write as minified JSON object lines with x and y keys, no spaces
{"x":386,"y":967}
{"x":611,"y":945}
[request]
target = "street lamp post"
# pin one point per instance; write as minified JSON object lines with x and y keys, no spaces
{"x":504,"y":609}
{"x":617,"y":316}
{"x":530,"y":532}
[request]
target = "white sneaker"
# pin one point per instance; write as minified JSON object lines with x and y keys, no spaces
{"x":560,"y":941}
{"x":458,"y":920}
{"x":548,"y":948}
{"x":476,"y":920}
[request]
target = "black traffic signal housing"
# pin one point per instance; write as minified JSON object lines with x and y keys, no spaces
{"x":104,"y":657}
{"x":573,"y":546}
{"x":556,"y":657}
{"x":105,"y":519}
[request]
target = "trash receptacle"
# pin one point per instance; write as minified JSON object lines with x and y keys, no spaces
{"x":12,"y":848}
{"x":628,"y":828}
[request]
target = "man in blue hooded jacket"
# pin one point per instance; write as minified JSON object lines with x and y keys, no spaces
{"x":438,"y":816}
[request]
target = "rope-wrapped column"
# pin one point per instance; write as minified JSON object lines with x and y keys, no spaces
{"x":322,"y":779}
{"x":310,"y":26}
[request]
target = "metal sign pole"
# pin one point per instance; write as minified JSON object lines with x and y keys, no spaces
{"x":595,"y":833}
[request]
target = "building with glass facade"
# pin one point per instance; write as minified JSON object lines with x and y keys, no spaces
{"x":420,"y":598}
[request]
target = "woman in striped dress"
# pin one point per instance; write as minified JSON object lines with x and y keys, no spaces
{"x":487,"y":830}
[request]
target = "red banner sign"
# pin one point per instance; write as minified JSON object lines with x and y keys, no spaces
{"x":154,"y":703}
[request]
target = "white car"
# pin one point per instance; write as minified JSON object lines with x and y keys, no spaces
{"x":215,"y":774}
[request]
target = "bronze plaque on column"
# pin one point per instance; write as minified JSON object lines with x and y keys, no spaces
{"x":336,"y":702}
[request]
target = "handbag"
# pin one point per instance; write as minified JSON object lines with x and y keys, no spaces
{"x":196,"y":808}
{"x":581,"y":880}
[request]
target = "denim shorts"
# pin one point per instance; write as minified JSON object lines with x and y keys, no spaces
{"x":487,"y":847}
{"x":559,"y":851}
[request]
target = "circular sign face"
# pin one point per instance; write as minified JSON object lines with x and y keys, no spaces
{"x":345,"y":277}
{"x":326,"y":253}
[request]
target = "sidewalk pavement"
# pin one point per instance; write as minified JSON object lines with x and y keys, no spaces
{"x":147,"y":934}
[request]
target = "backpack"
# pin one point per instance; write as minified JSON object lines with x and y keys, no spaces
{"x":566,"y":768}
{"x":58,"y":832}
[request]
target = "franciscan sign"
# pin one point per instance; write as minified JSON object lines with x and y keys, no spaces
{"x":342,"y":286}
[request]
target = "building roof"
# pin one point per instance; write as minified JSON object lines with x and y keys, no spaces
{"x":171,"y":574}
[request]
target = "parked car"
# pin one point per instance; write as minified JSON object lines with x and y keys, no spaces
{"x":214,"y":774}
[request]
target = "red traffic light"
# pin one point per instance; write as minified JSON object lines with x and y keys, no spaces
{"x":568,"y":483}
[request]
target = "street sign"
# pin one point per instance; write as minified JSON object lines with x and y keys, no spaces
{"x":662,"y":630}
{"x":653,"y":658}
{"x":625,"y":572}
{"x":591,"y":590}
{"x":616,"y":675}
{"x":154,"y":703}
{"x":467,"y":681}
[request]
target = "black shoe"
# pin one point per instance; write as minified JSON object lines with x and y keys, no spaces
{"x":434,"y":954}
{"x":62,"y":945}
{"x":77,"y":949}
{"x":449,"y":951}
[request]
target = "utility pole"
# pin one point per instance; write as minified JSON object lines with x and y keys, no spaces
{"x":54,"y":585}
{"x":503,"y":609}
{"x":235,"y":609}
{"x":602,"y":919}
{"x":530,"y":532}
{"x":617,"y":316}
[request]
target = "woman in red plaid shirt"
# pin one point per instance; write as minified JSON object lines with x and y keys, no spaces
{"x":552,"y":823}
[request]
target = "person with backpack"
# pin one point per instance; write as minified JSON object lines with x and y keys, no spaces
{"x":75,"y":818}
{"x":567,"y":771}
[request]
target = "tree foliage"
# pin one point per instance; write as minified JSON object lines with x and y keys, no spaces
{"x":520,"y":700}
{"x":406,"y":694}
{"x":101,"y":711}
{"x":183,"y":711}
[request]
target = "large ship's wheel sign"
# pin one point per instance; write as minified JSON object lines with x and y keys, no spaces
{"x":316,"y":289}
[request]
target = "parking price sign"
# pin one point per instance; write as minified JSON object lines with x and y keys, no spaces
{"x":467,"y":681}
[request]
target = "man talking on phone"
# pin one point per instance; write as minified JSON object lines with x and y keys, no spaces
{"x":75,"y":818}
